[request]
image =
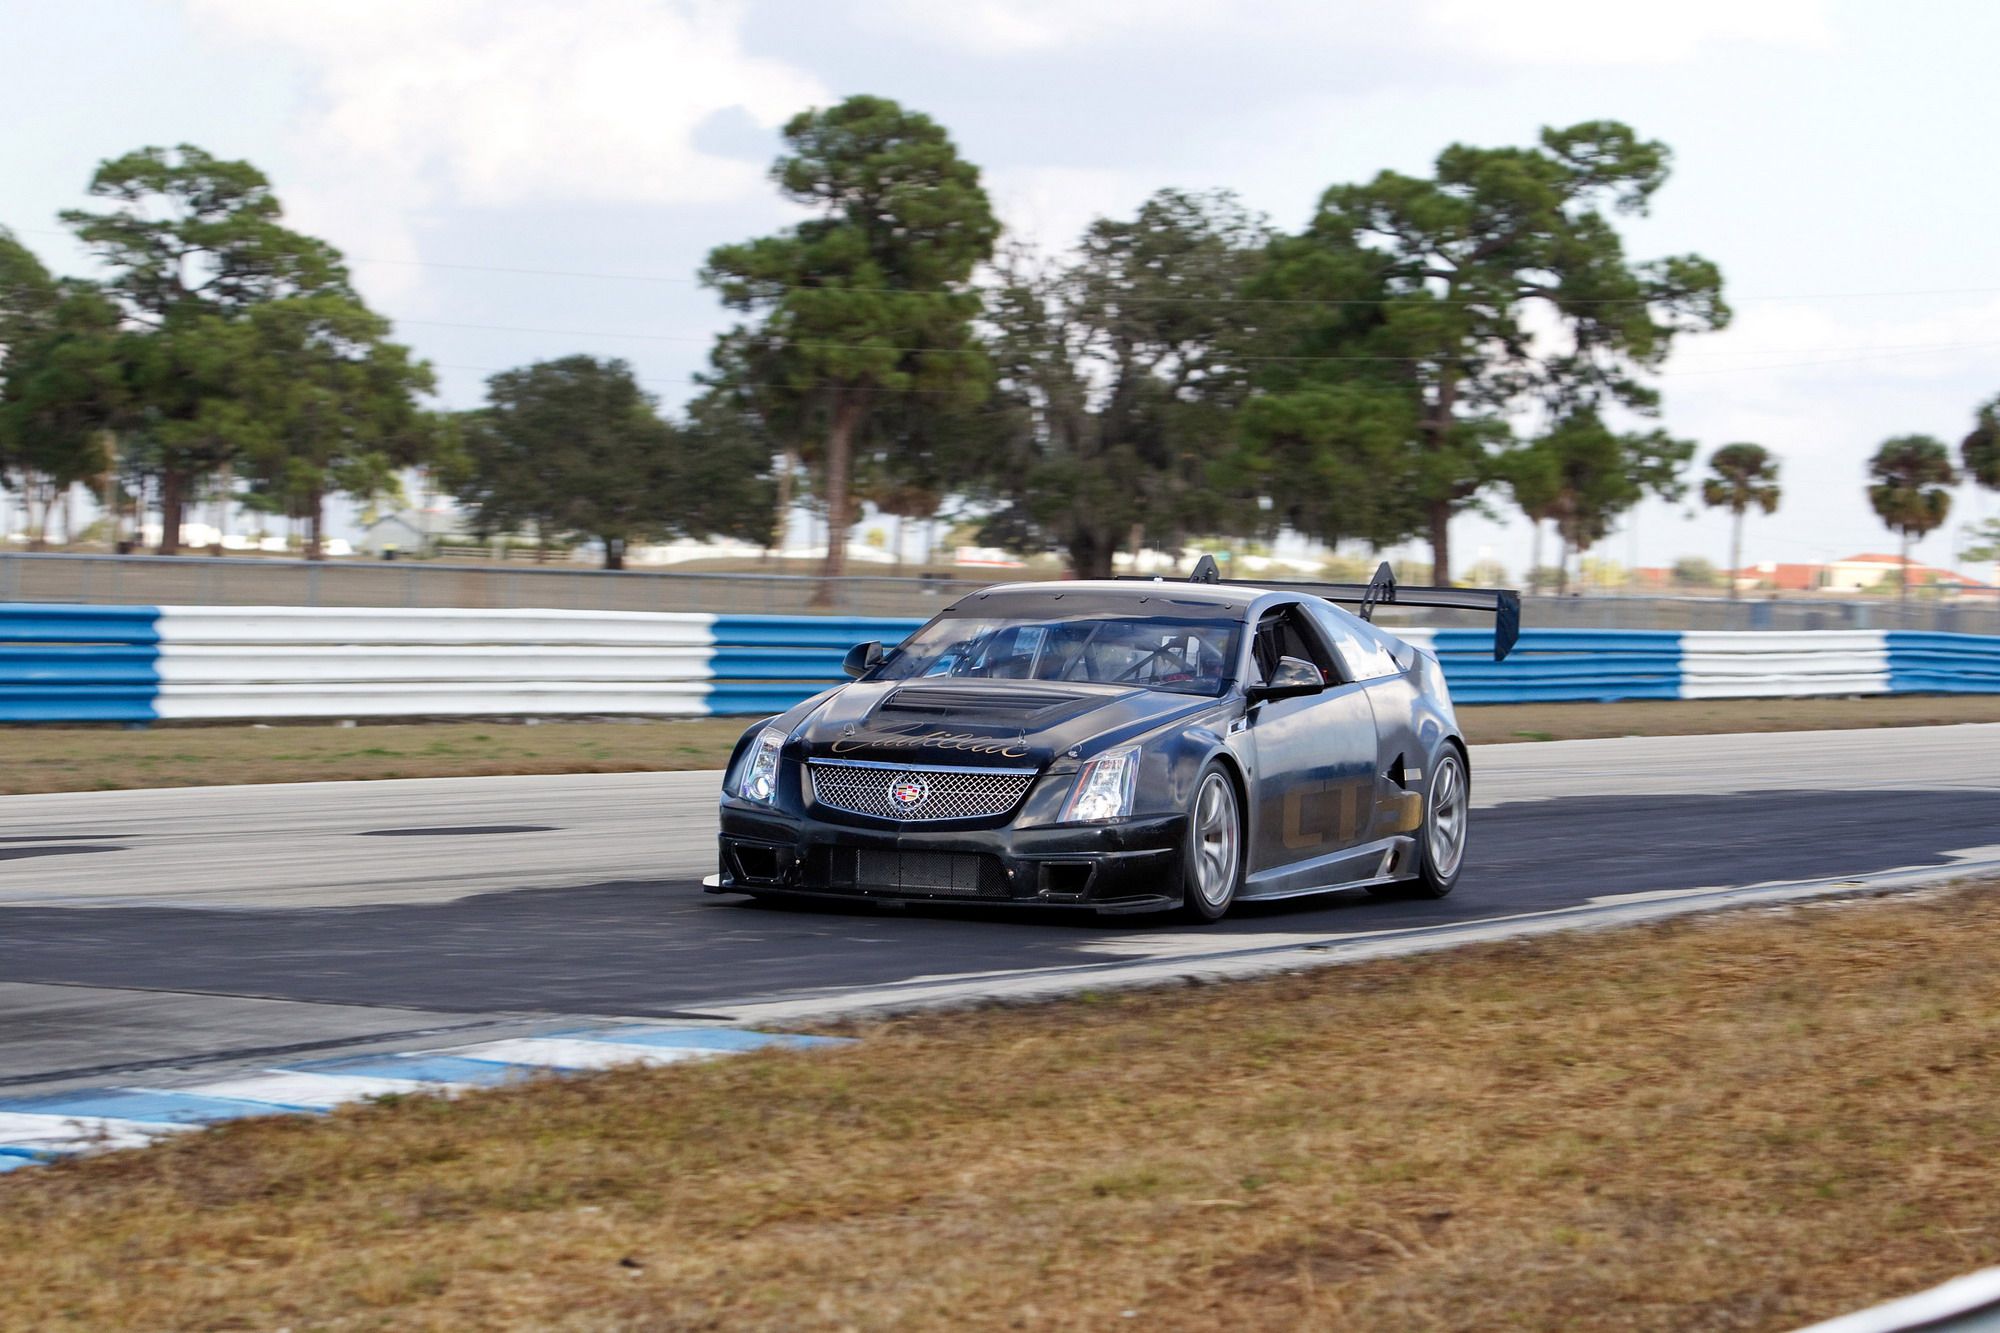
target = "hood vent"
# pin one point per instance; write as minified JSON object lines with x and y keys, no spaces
{"x":1022,"y":702}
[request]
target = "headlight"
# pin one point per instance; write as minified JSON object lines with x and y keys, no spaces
{"x":759,"y":778}
{"x":1104,"y":788}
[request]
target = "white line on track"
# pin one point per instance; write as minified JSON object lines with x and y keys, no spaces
{"x":1236,"y":957}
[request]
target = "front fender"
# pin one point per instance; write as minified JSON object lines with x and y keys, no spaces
{"x":1177,"y":757}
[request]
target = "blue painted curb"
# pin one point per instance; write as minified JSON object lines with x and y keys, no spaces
{"x":70,"y":1123}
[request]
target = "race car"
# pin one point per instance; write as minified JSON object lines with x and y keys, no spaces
{"x":1125,"y":745}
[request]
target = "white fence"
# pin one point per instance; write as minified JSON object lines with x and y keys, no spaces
{"x":1731,"y":665}
{"x":290,"y":661}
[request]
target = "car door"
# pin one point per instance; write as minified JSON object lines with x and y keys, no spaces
{"x":1314,"y":767}
{"x":1370,"y":659}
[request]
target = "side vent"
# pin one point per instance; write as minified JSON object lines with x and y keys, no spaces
{"x":1403,"y":809}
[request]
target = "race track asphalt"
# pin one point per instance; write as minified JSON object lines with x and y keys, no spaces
{"x":166,"y":930}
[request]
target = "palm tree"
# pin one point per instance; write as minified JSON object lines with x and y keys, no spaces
{"x":1743,"y":475}
{"x":1981,"y":450}
{"x":1911,"y":473}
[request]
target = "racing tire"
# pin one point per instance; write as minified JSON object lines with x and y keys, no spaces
{"x":1446,"y":828}
{"x":1212,"y":858}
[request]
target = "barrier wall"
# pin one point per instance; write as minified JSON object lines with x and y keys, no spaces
{"x":78,"y":663}
{"x":63,"y":663}
{"x":1551,"y":665}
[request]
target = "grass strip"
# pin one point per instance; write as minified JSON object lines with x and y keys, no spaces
{"x":1745,"y":1121}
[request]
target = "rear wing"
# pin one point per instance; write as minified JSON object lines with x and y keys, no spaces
{"x":1383,"y":590}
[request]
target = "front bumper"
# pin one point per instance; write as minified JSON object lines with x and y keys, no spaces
{"x":1131,"y":865}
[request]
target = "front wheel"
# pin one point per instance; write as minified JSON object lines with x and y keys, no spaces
{"x":1212,"y":862}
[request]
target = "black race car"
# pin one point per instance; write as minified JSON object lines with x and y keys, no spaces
{"x":1122,"y":746}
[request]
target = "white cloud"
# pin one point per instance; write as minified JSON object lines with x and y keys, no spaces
{"x":418,"y":104}
{"x":1014,"y":27}
{"x":1590,"y":32}
{"x":1821,"y":382}
{"x":1051,"y":206}
{"x":1533,"y":32}
{"x":1907,"y":339}
{"x":518,"y":100}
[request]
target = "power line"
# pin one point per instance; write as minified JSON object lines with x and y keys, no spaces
{"x":682,"y":380}
{"x":1865,"y":353}
{"x":866,"y":389}
{"x":681,"y":280}
{"x":1826,"y":361}
{"x":1884,"y":348}
{"x":1174,"y":299}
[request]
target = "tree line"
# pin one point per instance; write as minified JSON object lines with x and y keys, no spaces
{"x":225,"y":353}
{"x":1423,"y":346}
{"x":1194,"y":370}
{"x":221,"y":344}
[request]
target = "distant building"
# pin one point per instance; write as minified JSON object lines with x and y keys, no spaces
{"x":986,"y":557}
{"x":1775,"y":576}
{"x":1870,"y":570}
{"x":1857,"y":573}
{"x":412,"y":532}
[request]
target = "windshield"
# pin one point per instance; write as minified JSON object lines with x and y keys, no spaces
{"x":1188,"y":656}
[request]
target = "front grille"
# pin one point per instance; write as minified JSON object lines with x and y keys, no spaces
{"x":917,"y":793}
{"x":940,"y":874}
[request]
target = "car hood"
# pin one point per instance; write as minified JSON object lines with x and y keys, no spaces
{"x":980,"y":723}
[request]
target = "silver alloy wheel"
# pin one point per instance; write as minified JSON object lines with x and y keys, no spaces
{"x":1216,"y":832}
{"x":1450,"y":799}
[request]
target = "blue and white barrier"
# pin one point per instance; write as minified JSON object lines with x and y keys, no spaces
{"x":65,"y":1124}
{"x":141,"y":664}
{"x":1606,"y":665}
{"x":1556,"y":665}
{"x":78,"y":663}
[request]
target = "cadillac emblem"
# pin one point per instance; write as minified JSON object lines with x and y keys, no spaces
{"x":908,"y":791}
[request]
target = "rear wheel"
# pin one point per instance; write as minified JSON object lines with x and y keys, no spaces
{"x":1447,"y":824}
{"x":1212,"y":862}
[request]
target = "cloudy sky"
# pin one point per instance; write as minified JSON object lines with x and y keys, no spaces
{"x":516,"y":179}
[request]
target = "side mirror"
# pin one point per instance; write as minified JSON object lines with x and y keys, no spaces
{"x":863,"y":658}
{"x":1294,"y":677}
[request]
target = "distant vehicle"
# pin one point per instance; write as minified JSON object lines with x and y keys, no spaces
{"x":1128,"y":745}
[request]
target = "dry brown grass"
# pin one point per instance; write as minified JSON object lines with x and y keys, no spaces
{"x":1487,"y":723}
{"x":102,"y":758}
{"x":1744,"y":1122}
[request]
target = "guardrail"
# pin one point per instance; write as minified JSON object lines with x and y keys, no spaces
{"x":46,"y":576}
{"x":78,"y":663}
{"x":1555,"y":665}
{"x":138,"y":664}
{"x":56,"y":576}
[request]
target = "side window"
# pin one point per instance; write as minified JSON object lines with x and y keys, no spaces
{"x":1367,"y":657}
{"x":1283,"y":632}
